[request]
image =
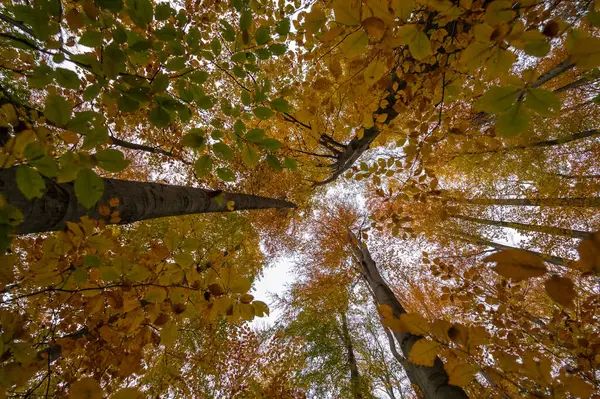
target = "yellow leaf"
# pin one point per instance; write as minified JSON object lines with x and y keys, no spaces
{"x":414,"y":324}
{"x":374,"y":27}
{"x":169,"y":334}
{"x":86,"y":388}
{"x":517,"y":264}
{"x":578,"y":387}
{"x":403,"y":8}
{"x":460,"y":374}
{"x":561,"y":290}
{"x":155,"y":295}
{"x":347,"y":12}
{"x":586,"y":52}
{"x":355,"y":43}
{"x":423,"y":352}
{"x":374,"y":71}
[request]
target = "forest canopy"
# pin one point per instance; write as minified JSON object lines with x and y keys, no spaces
{"x":428,"y":168}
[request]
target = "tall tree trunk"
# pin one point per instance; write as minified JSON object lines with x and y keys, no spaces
{"x":555,"y":260}
{"x":137,"y":201}
{"x":355,"y":380}
{"x":432,"y":381}
{"x":540,"y":144}
{"x":591,"y":202}
{"x":557,"y":231}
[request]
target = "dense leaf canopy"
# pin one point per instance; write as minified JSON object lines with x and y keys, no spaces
{"x":428,"y":167}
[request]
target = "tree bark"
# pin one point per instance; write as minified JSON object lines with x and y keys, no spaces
{"x":355,"y":380}
{"x":591,"y":202}
{"x":137,"y":201}
{"x":432,"y":381}
{"x":555,"y":260}
{"x":540,"y":144}
{"x":557,"y":231}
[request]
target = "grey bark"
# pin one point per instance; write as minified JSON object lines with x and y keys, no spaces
{"x":355,"y":380}
{"x":555,"y":260}
{"x":432,"y":381}
{"x":137,"y":201}
{"x":540,"y":144}
{"x":590,"y":202}
{"x":558,"y":231}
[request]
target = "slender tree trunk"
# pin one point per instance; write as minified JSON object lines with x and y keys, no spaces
{"x":137,"y":201}
{"x":432,"y":381}
{"x":591,"y":202}
{"x":557,"y":231}
{"x":540,"y":144}
{"x":555,"y":260}
{"x":355,"y":380}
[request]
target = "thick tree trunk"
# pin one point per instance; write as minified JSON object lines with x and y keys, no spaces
{"x":591,"y":202}
{"x":432,"y":381}
{"x":557,"y":231}
{"x":355,"y":380}
{"x":137,"y":201}
{"x":555,"y":260}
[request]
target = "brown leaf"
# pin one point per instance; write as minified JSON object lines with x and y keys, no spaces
{"x":517,"y":264}
{"x":589,"y":254}
{"x":374,"y":27}
{"x":561,"y":290}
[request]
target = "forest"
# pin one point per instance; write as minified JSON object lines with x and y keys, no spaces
{"x":427,"y":170}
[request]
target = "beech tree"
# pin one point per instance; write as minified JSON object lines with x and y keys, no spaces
{"x":462,"y":136}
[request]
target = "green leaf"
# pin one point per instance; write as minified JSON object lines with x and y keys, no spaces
{"x":141,"y":12}
{"x":215,"y":46}
{"x":263,"y":112}
{"x":281,"y":105}
{"x":279,"y":48}
{"x":30,"y":182}
{"x":159,"y":117}
{"x":255,"y":135}
{"x":250,"y":156}
{"x":270,"y":144}
{"x":497,"y":99}
{"x":205,"y":102}
{"x":91,"y":39}
{"x":91,"y":261}
{"x":111,"y":5}
{"x":41,"y":77}
{"x":225,"y":174}
{"x":290,"y":164}
{"x":223,"y":151}
{"x":420,"y":46}
{"x":111,"y":160}
{"x":160,"y":83}
{"x":513,"y":121}
{"x":262,"y":35}
{"x":57,"y":109}
{"x":274,"y":163}
{"x":198,"y":77}
{"x":203,"y":165}
{"x":245,"y":20}
{"x":89,"y":188}
{"x":228,"y":32}
{"x":194,"y":139}
{"x":283,"y":27}
{"x":163,"y":11}
{"x":239,"y":57}
{"x":92,"y":92}
{"x":543,"y":101}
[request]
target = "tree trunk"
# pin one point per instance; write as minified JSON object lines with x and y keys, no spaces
{"x":137,"y":201}
{"x":540,"y":144}
{"x":555,"y":260}
{"x":557,"y":231}
{"x":432,"y":381}
{"x":591,"y":202}
{"x":355,"y":380}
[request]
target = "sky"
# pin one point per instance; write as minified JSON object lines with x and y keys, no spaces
{"x":274,"y":281}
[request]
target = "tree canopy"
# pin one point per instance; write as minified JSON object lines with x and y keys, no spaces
{"x":428,"y":167}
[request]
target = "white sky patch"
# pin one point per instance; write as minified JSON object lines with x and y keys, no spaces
{"x":276,"y":277}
